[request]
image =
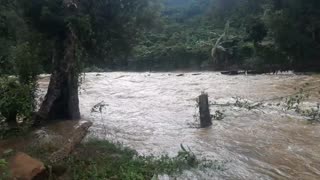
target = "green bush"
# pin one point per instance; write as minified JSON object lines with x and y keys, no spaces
{"x":255,"y":63}
{"x":245,"y":50}
{"x":98,"y":159}
{"x":4,"y":172}
{"x":16,"y":100}
{"x":93,"y":69}
{"x":26,"y":59}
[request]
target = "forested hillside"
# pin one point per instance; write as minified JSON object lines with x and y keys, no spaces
{"x":265,"y":35}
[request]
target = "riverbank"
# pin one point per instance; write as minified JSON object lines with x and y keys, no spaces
{"x":94,"y":158}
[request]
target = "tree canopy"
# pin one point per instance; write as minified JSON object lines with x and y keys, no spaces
{"x":165,"y":34}
{"x":266,"y":34}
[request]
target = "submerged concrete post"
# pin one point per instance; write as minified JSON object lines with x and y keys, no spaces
{"x":205,"y":117}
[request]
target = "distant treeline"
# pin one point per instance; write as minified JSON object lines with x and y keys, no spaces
{"x":264,"y":35}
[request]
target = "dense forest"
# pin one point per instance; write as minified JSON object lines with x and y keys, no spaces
{"x":265,"y":35}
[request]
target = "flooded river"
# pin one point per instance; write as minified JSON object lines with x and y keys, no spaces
{"x":155,"y":112}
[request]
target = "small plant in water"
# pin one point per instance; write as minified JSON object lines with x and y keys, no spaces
{"x":313,"y":113}
{"x":246,"y":104}
{"x":293,"y":102}
{"x":99,"y":107}
{"x":218,"y":115}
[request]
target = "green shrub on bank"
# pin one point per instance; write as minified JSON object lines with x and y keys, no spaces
{"x":17,"y":103}
{"x":4,"y":172}
{"x":98,"y":159}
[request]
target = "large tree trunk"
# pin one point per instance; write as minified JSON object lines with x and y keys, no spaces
{"x":61,"y":101}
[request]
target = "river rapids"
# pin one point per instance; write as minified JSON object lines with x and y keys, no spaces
{"x":156,"y":112}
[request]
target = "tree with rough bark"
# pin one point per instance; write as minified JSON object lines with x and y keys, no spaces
{"x":79,"y":31}
{"x":62,"y":99}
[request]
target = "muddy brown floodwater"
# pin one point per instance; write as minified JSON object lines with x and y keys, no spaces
{"x":154,"y":113}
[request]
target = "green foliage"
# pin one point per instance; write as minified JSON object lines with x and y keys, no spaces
{"x":21,"y":57}
{"x":241,"y":103}
{"x":116,"y":34}
{"x":105,"y":30}
{"x":16,"y":100}
{"x":115,"y":161}
{"x":94,"y":69}
{"x":4,"y":128}
{"x":174,"y":34}
{"x":256,"y":30}
{"x":255,"y":62}
{"x":4,"y":170}
{"x":5,"y":63}
{"x":294,"y":101}
{"x":26,"y":62}
{"x":245,"y":50}
{"x":295,"y":26}
{"x":177,"y":43}
{"x":283,"y":36}
{"x":312,"y":113}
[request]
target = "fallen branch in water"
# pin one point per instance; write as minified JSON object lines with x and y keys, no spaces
{"x":241,"y":104}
